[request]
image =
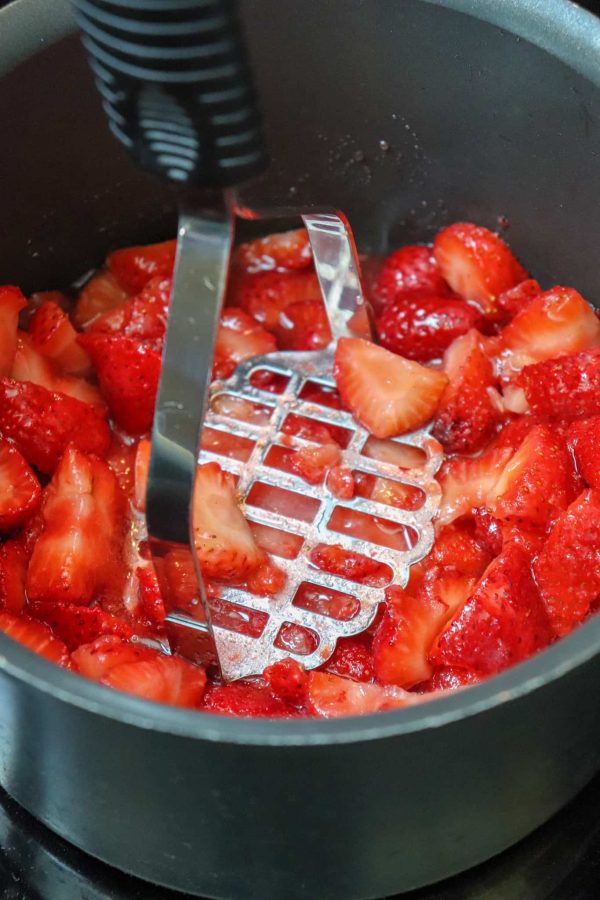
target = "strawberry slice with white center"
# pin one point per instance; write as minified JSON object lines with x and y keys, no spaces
{"x":387,"y":394}
{"x":239,"y":337}
{"x":468,"y":482}
{"x":476,"y":263}
{"x":79,"y":550}
{"x":31,"y":365}
{"x":54,"y":336}
{"x":95,"y":660}
{"x":224,"y":542}
{"x":164,"y":679}
{"x":12,"y":302}
{"x":101,"y":294}
{"x":20,"y":491}
{"x":36,"y":636}
{"x":556,"y":323}
{"x":331,"y":696}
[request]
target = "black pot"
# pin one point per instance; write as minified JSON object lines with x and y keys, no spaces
{"x":491,"y":113}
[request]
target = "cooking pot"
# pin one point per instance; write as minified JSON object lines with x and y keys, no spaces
{"x":407,"y":116}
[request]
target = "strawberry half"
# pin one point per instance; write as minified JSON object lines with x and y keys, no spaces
{"x":13,"y":569}
{"x":128,"y":373}
{"x":35,"y":636}
{"x":476,"y":263}
{"x":143,"y":316}
{"x":31,"y":365}
{"x":468,"y":482}
{"x":563,"y":389}
{"x":12,"y":302}
{"x":163,"y":679}
{"x":584,"y":439}
{"x":568,"y":567}
{"x":224,"y":542}
{"x":133,"y":267}
{"x":468,"y":413}
{"x":77,"y":625}
{"x":282,"y":251}
{"x":101,"y":293}
{"x":20,"y":491}
{"x":387,"y":394}
{"x":503,"y":622}
{"x":411,"y":268}
{"x":239,"y":337}
{"x":54,"y":336}
{"x":95,"y":660}
{"x":421,"y":326}
{"x":266,"y":295}
{"x":43,"y":423}
{"x":331,"y":696}
{"x":78,"y":553}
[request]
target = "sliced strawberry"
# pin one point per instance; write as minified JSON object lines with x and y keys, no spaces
{"x":282,"y":251}
{"x":128,"y":373}
{"x":31,"y":365}
{"x":537,"y":483}
{"x":421,"y":326}
{"x":101,"y":293}
{"x":555,"y":323}
{"x":143,"y":316}
{"x":503,"y":622}
{"x":584,"y":438}
{"x":266,"y":295}
{"x":352,"y":658}
{"x":121,"y":458}
{"x":133,"y":267}
{"x":12,"y":302}
{"x":476,"y":263}
{"x":42,"y":423}
{"x":180,"y":590}
{"x":354,"y":566}
{"x":225,"y":545}
{"x":13,"y":569}
{"x":95,"y":660}
{"x":387,"y":394}
{"x":312,"y":463}
{"x":411,"y":268}
{"x":468,"y":482}
{"x":468,"y":413}
{"x":340,"y":481}
{"x":152,"y":606}
{"x":563,"y":389}
{"x":458,"y":552}
{"x":141,"y":468}
{"x":451,"y":678}
{"x":517,"y":298}
{"x":239,"y":337}
{"x":331,"y":696}
{"x":267,"y":579}
{"x":163,"y":679}
{"x":77,"y":625}
{"x":78,"y":554}
{"x":568,"y":567}
{"x":246,"y":699}
{"x":20,"y":491}
{"x":35,"y":636}
{"x":303,"y":325}
{"x":54,"y":336}
{"x":288,"y":681}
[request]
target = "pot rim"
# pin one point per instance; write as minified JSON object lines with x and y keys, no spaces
{"x":572,"y":35}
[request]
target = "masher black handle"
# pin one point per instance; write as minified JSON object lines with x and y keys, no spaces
{"x":176,"y":86}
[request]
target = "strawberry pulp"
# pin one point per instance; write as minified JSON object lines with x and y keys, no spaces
{"x":506,"y":375}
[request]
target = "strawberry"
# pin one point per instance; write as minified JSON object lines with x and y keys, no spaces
{"x":54,"y":336}
{"x":503,"y":621}
{"x":468,"y":413}
{"x":312,"y":463}
{"x":78,"y":554}
{"x":476,"y":263}
{"x":224,"y":543}
{"x":411,"y":268}
{"x":246,"y":699}
{"x":140,"y":473}
{"x":537,"y":483}
{"x":563,"y":389}
{"x":77,"y":625}
{"x":151,"y":601}
{"x":31,"y":365}
{"x":303,"y":325}
{"x":13,"y":568}
{"x":385,"y":393}
{"x":331,"y":696}
{"x":101,"y":293}
{"x":354,"y":566}
{"x":340,"y":481}
{"x":568,"y":567}
{"x":421,"y":326}
{"x":143,"y":316}
{"x":35,"y":636}
{"x":283,"y":251}
{"x":163,"y":679}
{"x":12,"y":302}
{"x":128,"y":373}
{"x":409,"y":626}
{"x":43,"y":423}
{"x":266,"y":295}
{"x":352,"y":659}
{"x":555,"y":323}
{"x":133,"y":267}
{"x":20,"y":491}
{"x":121,"y":458}
{"x":468,"y":482}
{"x":96,"y":659}
{"x":459,"y":552}
{"x":584,"y":439}
{"x":239,"y":337}
{"x":180,"y":590}
{"x":267,"y":579}
{"x":288,"y":681}
{"x":517,"y":298}
{"x":451,"y":678}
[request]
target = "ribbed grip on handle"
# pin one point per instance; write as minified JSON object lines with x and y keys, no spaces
{"x":176,"y":86}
